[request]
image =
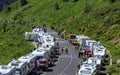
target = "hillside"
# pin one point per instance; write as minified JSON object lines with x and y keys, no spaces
{"x":12,"y":43}
{"x":99,"y":19}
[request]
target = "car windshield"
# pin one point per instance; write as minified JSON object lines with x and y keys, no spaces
{"x":85,"y":72}
{"x":42,"y":62}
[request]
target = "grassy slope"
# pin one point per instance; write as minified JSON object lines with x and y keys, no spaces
{"x":101,"y":23}
{"x":12,"y":43}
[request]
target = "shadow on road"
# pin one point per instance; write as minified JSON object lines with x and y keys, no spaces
{"x":49,"y":70}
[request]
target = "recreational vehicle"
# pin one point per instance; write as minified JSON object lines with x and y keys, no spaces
{"x":21,"y":67}
{"x":31,"y":36}
{"x":87,"y":69}
{"x":7,"y":70}
{"x":30,"y":59}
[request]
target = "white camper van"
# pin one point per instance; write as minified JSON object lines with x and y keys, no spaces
{"x":99,"y":50}
{"x":90,"y":43}
{"x":87,"y":69}
{"x":31,"y":36}
{"x":30,"y":59}
{"x":41,"y":53}
{"x":81,"y":39}
{"x":43,"y":58}
{"x":95,"y":60}
{"x":7,"y":70}
{"x":21,"y":67}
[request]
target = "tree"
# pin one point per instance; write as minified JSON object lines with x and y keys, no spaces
{"x":112,"y":1}
{"x":87,"y":8}
{"x":75,"y":0}
{"x":7,"y":9}
{"x":112,"y":70}
{"x":23,"y":2}
{"x":56,"y":6}
{"x":65,"y":0}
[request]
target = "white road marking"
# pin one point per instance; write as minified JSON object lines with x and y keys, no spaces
{"x":67,"y":65}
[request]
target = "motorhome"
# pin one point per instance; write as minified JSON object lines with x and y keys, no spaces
{"x":81,"y":39}
{"x":47,"y":47}
{"x":89,"y":43}
{"x":89,"y":46}
{"x":53,"y":52}
{"x":41,"y":53}
{"x":31,"y":36}
{"x":48,"y":38}
{"x":30,"y":59}
{"x":95,"y":60}
{"x":99,"y":50}
{"x":87,"y":69}
{"x":21,"y":67}
{"x":7,"y":70}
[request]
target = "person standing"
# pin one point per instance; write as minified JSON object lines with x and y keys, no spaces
{"x":66,"y":49}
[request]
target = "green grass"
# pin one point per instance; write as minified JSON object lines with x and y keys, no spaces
{"x":101,"y":23}
{"x":12,"y":43}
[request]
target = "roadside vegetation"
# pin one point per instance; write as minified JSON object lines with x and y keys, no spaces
{"x":12,"y":43}
{"x":99,"y":19}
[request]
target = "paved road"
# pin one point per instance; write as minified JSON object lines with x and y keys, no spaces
{"x":67,"y":63}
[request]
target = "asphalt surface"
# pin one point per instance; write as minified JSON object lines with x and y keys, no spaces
{"x":67,"y":63}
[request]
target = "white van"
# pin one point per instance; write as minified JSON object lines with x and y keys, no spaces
{"x":87,"y":69}
{"x":21,"y":67}
{"x":41,"y":53}
{"x":30,"y":59}
{"x":7,"y":70}
{"x":95,"y":60}
{"x":31,"y":36}
{"x":98,"y":50}
{"x":82,"y":38}
{"x":90,"y":43}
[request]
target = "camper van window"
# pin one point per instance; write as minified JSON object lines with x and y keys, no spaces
{"x":18,"y":71}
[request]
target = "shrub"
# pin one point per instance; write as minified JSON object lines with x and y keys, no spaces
{"x":23,"y":2}
{"x":7,"y":9}
{"x":65,"y":0}
{"x":112,"y":1}
{"x":56,"y":6}
{"x":87,"y":8}
{"x":75,"y":0}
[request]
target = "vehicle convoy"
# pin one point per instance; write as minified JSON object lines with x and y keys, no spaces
{"x":94,"y":53}
{"x":7,"y":70}
{"x":21,"y":67}
{"x":41,"y":58}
